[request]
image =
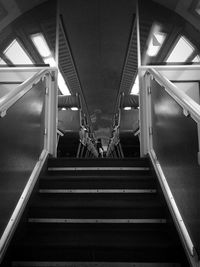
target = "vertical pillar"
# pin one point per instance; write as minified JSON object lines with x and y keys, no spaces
{"x":57,"y":33}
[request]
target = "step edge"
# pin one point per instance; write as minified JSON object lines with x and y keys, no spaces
{"x":98,"y":221}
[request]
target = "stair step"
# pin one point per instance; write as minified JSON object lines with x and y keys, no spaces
{"x":103,"y":200}
{"x":97,"y":242}
{"x":89,"y":168}
{"x":98,"y":212}
{"x":97,"y":182}
{"x":100,"y":162}
{"x":83,"y":172}
{"x":98,"y":235}
{"x":93,"y":264}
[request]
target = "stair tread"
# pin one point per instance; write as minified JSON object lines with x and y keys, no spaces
{"x":83,"y":172}
{"x":157,"y":254}
{"x":109,"y":162}
{"x":97,"y":242}
{"x":94,"y":212}
{"x":134,"y":236}
{"x":93,"y":182}
{"x":97,"y":200}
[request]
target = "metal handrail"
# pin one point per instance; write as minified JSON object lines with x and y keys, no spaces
{"x":20,"y":207}
{"x":186,"y":102}
{"x":170,"y":67}
{"x":9,"y":99}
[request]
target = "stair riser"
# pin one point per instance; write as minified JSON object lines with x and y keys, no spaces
{"x":102,"y":213}
{"x":97,"y":183}
{"x":98,"y":162}
{"x":101,"y":254}
{"x":95,"y":172}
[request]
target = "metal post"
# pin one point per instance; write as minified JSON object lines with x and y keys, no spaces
{"x":57,"y":33}
{"x":142,"y":94}
{"x":138,"y":34}
{"x":52,"y":113}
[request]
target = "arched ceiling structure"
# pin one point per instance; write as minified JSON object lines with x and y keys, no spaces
{"x":101,"y":43}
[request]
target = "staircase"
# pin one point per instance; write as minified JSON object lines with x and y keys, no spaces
{"x":97,"y":213}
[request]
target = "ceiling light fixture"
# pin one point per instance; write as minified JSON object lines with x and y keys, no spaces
{"x":155,"y":43}
{"x":41,"y":45}
{"x":43,"y":49}
{"x":182,"y":51}
{"x":135,"y":88}
{"x":16,"y":54}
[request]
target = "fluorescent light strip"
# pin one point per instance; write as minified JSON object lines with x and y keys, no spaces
{"x":197,"y":9}
{"x":62,"y":85}
{"x":196,"y":59}
{"x":182,"y":51}
{"x":43,"y":49}
{"x":16,"y":54}
{"x":41,"y":45}
{"x":2,"y":62}
{"x":135,"y":88}
{"x":156,"y":43}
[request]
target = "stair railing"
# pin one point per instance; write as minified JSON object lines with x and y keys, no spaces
{"x":50,"y":76}
{"x":190,"y":109}
{"x":47,"y":80}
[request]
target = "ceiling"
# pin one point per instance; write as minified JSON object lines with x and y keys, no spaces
{"x":99,"y":33}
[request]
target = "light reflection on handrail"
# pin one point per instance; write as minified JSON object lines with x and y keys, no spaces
{"x":186,"y":102}
{"x":170,"y":67}
{"x":9,"y":99}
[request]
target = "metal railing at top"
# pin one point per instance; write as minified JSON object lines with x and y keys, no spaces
{"x":50,"y":74}
{"x":9,"y":99}
{"x":187,"y":103}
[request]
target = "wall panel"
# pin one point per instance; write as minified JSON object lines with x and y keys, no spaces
{"x":21,"y":142}
{"x":175,"y":142}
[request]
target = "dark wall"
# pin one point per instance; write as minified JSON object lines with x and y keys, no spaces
{"x":21,"y":142}
{"x":129,"y":120}
{"x":175,"y":142}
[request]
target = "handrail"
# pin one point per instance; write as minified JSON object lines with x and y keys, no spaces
{"x":9,"y":99}
{"x":20,"y":207}
{"x":170,"y":67}
{"x":186,"y":102}
{"x":172,"y":204}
